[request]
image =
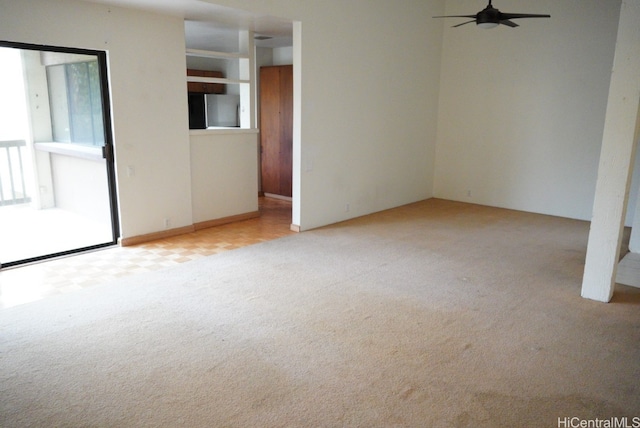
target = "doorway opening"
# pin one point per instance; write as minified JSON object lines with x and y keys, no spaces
{"x":57,"y":177}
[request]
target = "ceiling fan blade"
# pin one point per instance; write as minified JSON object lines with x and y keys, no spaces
{"x":509,"y":23}
{"x":508,"y":16}
{"x":455,"y":16}
{"x":468,"y":22}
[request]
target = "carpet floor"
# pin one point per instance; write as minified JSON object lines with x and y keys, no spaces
{"x":436,"y":314}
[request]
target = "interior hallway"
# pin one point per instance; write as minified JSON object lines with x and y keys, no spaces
{"x":33,"y":282}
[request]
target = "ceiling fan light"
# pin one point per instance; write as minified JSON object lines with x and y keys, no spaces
{"x":487,"y":25}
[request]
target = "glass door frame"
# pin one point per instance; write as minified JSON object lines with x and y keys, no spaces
{"x":107,"y":149}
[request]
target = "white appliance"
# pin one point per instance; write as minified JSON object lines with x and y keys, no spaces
{"x":222,"y":110}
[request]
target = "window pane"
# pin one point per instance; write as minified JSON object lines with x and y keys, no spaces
{"x":96,"y":103}
{"x":82,"y":107}
{"x":76,"y":106}
{"x":56,"y":80}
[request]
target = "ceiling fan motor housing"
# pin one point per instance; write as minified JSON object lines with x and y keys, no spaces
{"x":489,"y":15}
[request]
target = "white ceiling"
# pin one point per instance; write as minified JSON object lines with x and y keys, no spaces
{"x":213,"y":27}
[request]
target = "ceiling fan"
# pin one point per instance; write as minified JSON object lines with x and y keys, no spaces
{"x":490,"y":17}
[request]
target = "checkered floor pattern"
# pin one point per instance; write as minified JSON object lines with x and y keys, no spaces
{"x":37,"y":281}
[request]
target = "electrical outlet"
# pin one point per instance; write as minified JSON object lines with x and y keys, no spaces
{"x":346,"y":208}
{"x":167,"y":223}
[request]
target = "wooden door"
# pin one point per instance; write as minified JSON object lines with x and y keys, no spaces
{"x":276,"y":129}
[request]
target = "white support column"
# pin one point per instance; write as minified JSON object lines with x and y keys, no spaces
{"x":247,"y":72}
{"x":297,"y":128}
{"x":621,"y":132}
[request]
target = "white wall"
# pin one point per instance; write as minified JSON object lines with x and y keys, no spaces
{"x":522,"y":110}
{"x":283,"y":56}
{"x":147,"y":75}
{"x":89,"y":197}
{"x":224,"y":169}
{"x":368,"y":126}
{"x":519,"y":112}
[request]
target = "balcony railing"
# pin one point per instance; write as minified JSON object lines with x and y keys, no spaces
{"x":13,"y":189}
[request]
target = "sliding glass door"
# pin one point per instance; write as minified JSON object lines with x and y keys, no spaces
{"x":57,"y":185}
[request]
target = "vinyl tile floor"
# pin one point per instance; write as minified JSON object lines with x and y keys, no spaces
{"x":28,"y":283}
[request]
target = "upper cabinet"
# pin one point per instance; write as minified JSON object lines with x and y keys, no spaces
{"x":203,"y":87}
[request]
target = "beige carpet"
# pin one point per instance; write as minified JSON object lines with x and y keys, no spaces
{"x":437,"y":314}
